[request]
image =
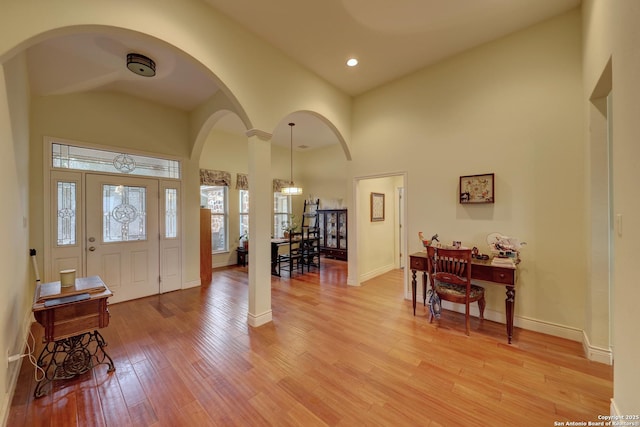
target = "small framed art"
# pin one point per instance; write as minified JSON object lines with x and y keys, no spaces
{"x":377,"y":207}
{"x":477,"y":189}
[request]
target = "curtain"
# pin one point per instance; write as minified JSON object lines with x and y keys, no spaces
{"x":242,"y":181}
{"x":279,"y":184}
{"x":209,"y":177}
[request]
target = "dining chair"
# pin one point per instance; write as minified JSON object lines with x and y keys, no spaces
{"x":292,"y":259}
{"x":450,"y":279}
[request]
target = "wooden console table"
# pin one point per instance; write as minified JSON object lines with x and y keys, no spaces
{"x":71,"y":318}
{"x":480,"y":270}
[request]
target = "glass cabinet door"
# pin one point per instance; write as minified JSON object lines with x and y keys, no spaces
{"x":332,"y":230}
{"x":321,"y":229}
{"x":342,"y":230}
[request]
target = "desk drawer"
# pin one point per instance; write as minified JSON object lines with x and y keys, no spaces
{"x":503,"y":275}
{"x":418,"y":263}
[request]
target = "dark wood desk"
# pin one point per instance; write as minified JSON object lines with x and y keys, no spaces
{"x":71,"y":318}
{"x":480,"y":270}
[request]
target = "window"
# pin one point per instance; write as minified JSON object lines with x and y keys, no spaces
{"x":170,"y":213}
{"x":93,"y":159}
{"x":66,"y":218}
{"x":124,"y":213}
{"x":281,"y":214}
{"x":244,"y":212}
{"x":214,"y":197}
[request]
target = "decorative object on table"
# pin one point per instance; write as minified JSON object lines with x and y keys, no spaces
{"x":426,"y":242}
{"x":67,"y":278}
{"x":475,"y":253}
{"x":377,"y":207}
{"x":477,"y":189}
{"x":291,"y":189}
{"x":505,"y":250}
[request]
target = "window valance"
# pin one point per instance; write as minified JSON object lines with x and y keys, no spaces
{"x":279,"y":184}
{"x":242,"y":181}
{"x":210,"y":177}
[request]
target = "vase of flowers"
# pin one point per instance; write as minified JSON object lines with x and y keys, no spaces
{"x":290,"y":227}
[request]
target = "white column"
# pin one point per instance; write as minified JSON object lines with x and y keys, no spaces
{"x":260,"y":218}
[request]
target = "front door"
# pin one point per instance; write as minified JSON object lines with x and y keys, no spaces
{"x":122,"y":234}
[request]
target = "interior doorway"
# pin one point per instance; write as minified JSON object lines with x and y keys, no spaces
{"x":381,"y":242}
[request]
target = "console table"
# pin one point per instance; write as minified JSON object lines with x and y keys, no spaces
{"x":480,"y":270}
{"x":71,"y":318}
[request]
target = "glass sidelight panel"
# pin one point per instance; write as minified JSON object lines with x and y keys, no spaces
{"x":66,"y":217}
{"x":171,"y":213}
{"x":124,"y":213}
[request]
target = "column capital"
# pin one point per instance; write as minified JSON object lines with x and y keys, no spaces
{"x":262,"y":135}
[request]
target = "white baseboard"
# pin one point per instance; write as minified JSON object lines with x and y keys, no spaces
{"x":14,"y":368}
{"x":191,"y":284}
{"x":596,"y":354}
{"x":593,"y":353}
{"x":259,"y":320}
{"x":377,"y":272}
{"x":613,"y":409}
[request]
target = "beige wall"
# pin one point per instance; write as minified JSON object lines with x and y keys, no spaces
{"x":516,"y":107}
{"x":113,"y":120}
{"x":17,"y":284}
{"x":611,"y":32}
{"x":511,"y":107}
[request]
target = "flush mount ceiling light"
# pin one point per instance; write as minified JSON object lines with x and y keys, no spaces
{"x":141,"y":65}
{"x":352,"y":62}
{"x":291,"y":189}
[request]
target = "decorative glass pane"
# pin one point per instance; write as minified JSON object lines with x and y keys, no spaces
{"x":214,"y":197}
{"x":124,"y":213}
{"x":244,"y":212}
{"x":91,"y":159}
{"x":170,"y":213}
{"x":218,"y":233}
{"x":66,"y":217}
{"x":281,"y":211}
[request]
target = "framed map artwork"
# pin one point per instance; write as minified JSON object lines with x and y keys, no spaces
{"x":377,"y":207}
{"x":477,"y":189}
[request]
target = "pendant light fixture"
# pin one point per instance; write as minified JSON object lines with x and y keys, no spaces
{"x":291,"y":190}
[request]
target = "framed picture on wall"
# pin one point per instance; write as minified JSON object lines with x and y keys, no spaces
{"x":477,"y":189}
{"x":377,"y":207}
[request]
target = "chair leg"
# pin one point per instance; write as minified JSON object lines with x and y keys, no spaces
{"x":481,"y":305}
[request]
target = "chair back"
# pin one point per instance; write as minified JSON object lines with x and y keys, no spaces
{"x":452,"y":266}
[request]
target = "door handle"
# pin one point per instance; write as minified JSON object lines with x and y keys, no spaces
{"x":92,"y":248}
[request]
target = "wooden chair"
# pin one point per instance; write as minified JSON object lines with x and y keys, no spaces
{"x":292,"y":260}
{"x":450,"y":278}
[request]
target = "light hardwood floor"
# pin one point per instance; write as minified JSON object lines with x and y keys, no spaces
{"x":333,"y":356}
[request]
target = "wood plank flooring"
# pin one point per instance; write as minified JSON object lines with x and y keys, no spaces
{"x":333,"y":356}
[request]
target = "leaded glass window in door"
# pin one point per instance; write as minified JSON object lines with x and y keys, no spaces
{"x":66,"y":217}
{"x":124,"y":213}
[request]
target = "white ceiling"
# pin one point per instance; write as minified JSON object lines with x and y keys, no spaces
{"x":390,"y":39}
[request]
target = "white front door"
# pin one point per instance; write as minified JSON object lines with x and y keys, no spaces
{"x":122,"y":234}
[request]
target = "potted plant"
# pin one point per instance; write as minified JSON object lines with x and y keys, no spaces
{"x":290,"y":227}
{"x":244,"y":239}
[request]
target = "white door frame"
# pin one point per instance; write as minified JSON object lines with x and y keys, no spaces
{"x":170,"y":269}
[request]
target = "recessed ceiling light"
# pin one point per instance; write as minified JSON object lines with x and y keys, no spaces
{"x":352,"y":62}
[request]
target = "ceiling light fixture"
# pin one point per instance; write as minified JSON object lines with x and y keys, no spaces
{"x":352,"y":62}
{"x":141,"y":65}
{"x":291,"y":190}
